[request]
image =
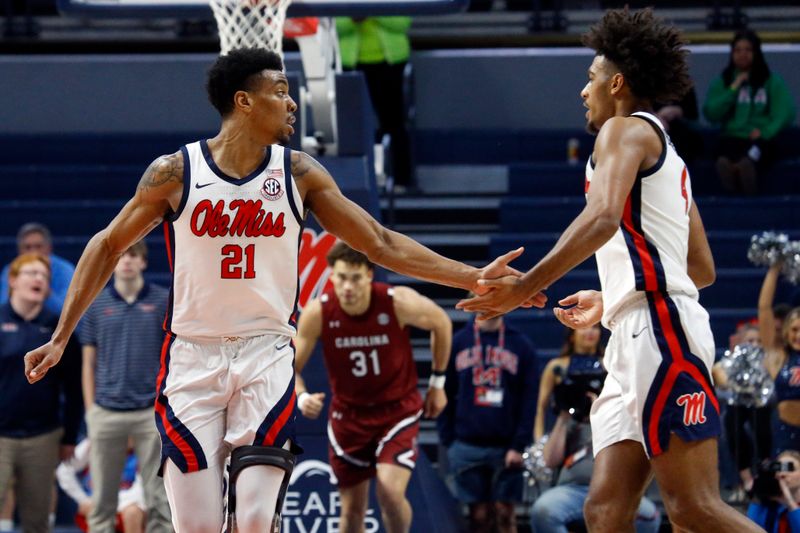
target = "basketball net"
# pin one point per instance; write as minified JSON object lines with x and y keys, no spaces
{"x":250,"y":23}
{"x":263,"y":24}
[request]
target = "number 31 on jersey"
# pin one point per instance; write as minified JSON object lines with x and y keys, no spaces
{"x":361,"y":365}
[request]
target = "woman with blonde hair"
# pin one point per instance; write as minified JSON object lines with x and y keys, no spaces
{"x":782,"y":361}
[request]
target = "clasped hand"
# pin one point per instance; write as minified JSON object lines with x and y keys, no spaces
{"x":500,"y":290}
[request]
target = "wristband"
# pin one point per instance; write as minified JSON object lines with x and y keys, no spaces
{"x":436,"y":381}
{"x":301,"y":398}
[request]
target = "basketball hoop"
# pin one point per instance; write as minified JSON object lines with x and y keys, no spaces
{"x":250,"y":23}
{"x":263,"y":24}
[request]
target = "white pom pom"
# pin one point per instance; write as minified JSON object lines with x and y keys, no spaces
{"x":767,"y":248}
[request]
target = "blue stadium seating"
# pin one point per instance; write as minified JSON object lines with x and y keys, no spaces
{"x":68,"y":181}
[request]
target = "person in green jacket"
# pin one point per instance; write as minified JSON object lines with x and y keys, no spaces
{"x":379,"y":47}
{"x":753,"y":106}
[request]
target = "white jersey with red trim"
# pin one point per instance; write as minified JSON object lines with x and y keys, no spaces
{"x":233,"y":246}
{"x":649,"y":250}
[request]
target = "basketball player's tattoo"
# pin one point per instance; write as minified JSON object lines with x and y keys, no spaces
{"x":161,"y":171}
{"x":302,"y":163}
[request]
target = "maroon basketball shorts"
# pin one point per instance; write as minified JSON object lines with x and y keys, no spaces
{"x":359,"y":438}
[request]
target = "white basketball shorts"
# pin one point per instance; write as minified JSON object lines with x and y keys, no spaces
{"x":659,"y":360}
{"x":216,"y":394}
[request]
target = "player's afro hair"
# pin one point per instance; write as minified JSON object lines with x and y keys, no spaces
{"x":236,"y":72}
{"x":650,"y":53}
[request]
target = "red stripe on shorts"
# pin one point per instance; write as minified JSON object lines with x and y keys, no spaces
{"x":269,"y":438}
{"x":679,"y":364}
{"x":161,"y":409}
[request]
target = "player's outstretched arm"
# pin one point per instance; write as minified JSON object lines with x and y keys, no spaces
{"x":159,"y":190}
{"x":414,"y":309}
{"x":620,"y":150}
{"x":309,"y":328}
{"x":699,"y":260}
{"x":345,"y":219}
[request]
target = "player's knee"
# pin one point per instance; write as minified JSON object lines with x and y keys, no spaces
{"x":608,"y":510}
{"x":593,"y":507}
{"x":254,"y":519}
{"x":390,"y":498}
{"x":196,"y":523}
{"x":355,"y":515}
{"x":690,"y":511}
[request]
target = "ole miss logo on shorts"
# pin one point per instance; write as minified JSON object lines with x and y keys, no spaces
{"x":694,"y":406}
{"x":272,"y":189}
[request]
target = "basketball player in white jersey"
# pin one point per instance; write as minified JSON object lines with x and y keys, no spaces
{"x":233,"y":209}
{"x":657,"y":413}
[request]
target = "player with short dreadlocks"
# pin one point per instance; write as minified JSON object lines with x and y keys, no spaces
{"x":657,"y":413}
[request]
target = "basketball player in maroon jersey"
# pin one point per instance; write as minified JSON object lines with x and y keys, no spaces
{"x":375,"y":409}
{"x":233,"y":208}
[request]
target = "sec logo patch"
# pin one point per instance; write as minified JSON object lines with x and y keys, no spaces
{"x":271,"y":189}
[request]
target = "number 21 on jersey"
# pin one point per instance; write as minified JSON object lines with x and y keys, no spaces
{"x":232,"y":255}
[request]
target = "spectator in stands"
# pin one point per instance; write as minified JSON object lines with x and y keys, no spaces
{"x":38,"y":423}
{"x":74,"y":479}
{"x":379,"y":47}
{"x":122,"y":337}
{"x":569,"y":448}
{"x":753,"y":105}
{"x":680,"y":120}
{"x":746,"y":333}
{"x":748,"y":429}
{"x":778,"y":513}
{"x":582,"y":353}
{"x":35,"y":238}
{"x":490,"y":386}
{"x":783,"y":362}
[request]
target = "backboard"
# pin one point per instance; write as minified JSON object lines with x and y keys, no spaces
{"x":298,"y":8}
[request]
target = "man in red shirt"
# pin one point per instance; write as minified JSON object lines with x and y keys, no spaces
{"x":375,"y":409}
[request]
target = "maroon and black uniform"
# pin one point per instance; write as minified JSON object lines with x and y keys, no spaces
{"x":375,"y":409}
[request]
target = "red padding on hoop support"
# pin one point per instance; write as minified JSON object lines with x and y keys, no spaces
{"x":300,"y":27}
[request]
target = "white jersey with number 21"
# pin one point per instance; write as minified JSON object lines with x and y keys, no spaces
{"x":233,"y":248}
